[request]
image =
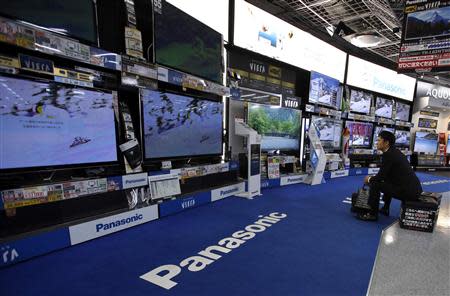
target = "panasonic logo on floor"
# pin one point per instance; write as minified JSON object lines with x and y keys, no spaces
{"x":101,"y":226}
{"x":163,"y":275}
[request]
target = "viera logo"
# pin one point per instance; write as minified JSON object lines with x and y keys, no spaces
{"x":188,"y":203}
{"x":258,"y":68}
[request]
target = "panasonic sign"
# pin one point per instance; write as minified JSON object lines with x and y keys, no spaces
{"x":164,"y":275}
{"x":118,"y":223}
{"x":134,"y":180}
{"x":292,"y":180}
{"x":223,"y":192}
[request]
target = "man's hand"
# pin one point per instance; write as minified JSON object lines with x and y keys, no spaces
{"x":366,"y":180}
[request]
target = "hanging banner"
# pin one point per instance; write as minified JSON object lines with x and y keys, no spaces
{"x":425,"y":44}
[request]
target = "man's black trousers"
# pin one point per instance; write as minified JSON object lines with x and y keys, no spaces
{"x":390,"y":191}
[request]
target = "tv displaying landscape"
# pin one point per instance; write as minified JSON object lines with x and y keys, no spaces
{"x":46,"y":124}
{"x":186,"y":44}
{"x":279,"y":127}
{"x":428,"y":23}
{"x":324,"y":90}
{"x":402,"y":111}
{"x":378,"y":130}
{"x":402,"y":139}
{"x":426,"y":142}
{"x":360,"y":101}
{"x":360,"y":134}
{"x":176,"y":125}
{"x":330,"y":130}
{"x":383,"y":107}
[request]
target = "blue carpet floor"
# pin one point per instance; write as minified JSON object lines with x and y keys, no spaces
{"x":318,"y":249}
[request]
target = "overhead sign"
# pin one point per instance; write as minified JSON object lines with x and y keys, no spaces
{"x":366,"y":75}
{"x":425,"y":43}
{"x":432,"y":90}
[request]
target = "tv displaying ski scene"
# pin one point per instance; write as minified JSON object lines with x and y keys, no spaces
{"x":177,"y":125}
{"x":360,"y":101}
{"x":48,"y":124}
{"x":330,"y":131}
{"x":378,"y":130}
{"x":279,"y":127}
{"x":426,"y":142}
{"x":324,"y":90}
{"x":360,"y":133}
{"x":428,"y":23}
{"x":402,"y":111}
{"x":384,"y":107}
{"x":402,"y":138}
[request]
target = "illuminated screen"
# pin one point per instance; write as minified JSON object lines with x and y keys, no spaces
{"x":426,"y":142}
{"x":360,"y":101}
{"x":360,"y":133}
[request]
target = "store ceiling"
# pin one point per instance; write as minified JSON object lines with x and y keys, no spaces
{"x":381,"y":17}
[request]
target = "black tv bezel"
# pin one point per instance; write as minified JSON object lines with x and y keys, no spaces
{"x":276,"y":149}
{"x":148,"y":160}
{"x":415,"y":140}
{"x":384,"y":98}
{"x":342,"y":128}
{"x":339,"y":95}
{"x":183,"y":70}
{"x":403,"y":146}
{"x":369,"y":146}
{"x":70,"y":36}
{"x":65,"y":167}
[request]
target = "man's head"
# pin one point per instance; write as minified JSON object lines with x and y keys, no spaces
{"x":385,"y":140}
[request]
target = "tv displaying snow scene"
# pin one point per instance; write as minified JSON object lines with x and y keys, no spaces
{"x":360,"y":101}
{"x":426,"y":142}
{"x":180,"y":126}
{"x":402,"y":111}
{"x":324,"y":90}
{"x":360,"y":133}
{"x":428,"y":23}
{"x":383,"y":107}
{"x":402,"y":139}
{"x":330,"y":130}
{"x":46,"y":124}
{"x":378,"y":130}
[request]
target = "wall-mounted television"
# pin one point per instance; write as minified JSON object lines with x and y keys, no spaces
{"x":402,"y":111}
{"x":379,"y":129}
{"x":428,"y":23}
{"x":324,"y":90}
{"x":360,"y":134}
{"x":178,"y":126}
{"x":45,"y":124}
{"x":330,"y":130}
{"x":448,"y":144}
{"x":72,"y":18}
{"x":360,"y":101}
{"x":279,"y":127}
{"x":402,"y":139}
{"x":383,"y":107}
{"x":186,"y":44}
{"x":426,"y":142}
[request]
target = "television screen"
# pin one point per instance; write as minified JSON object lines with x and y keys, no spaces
{"x":46,"y":124}
{"x":73,"y":18}
{"x":402,"y":111}
{"x":186,"y":44}
{"x":448,"y":144}
{"x":402,"y":139}
{"x":428,"y":23}
{"x":384,"y":107}
{"x":426,"y":142}
{"x":330,"y":131}
{"x":179,"y":126}
{"x":360,"y":101}
{"x":360,"y":133}
{"x":378,"y":129}
{"x":279,"y":127}
{"x":324,"y":90}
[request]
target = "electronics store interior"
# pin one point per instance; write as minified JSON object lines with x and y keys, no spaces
{"x":149,"y":146}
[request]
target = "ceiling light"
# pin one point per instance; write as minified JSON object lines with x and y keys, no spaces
{"x":330,"y":30}
{"x":366,"y":40}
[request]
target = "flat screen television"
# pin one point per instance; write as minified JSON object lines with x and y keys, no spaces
{"x":360,"y":101}
{"x":379,"y":129}
{"x":426,"y":142}
{"x":428,"y":23}
{"x":383,"y":107}
{"x":72,"y":18}
{"x":324,"y":90}
{"x":330,"y":130}
{"x":402,"y":139}
{"x":186,"y":44}
{"x":402,"y":111}
{"x":279,"y":127}
{"x":177,"y":126}
{"x":448,"y":144}
{"x":46,"y":124}
{"x":360,"y":134}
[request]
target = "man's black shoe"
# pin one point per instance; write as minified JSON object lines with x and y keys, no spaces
{"x":384,"y":211}
{"x":367,"y":217}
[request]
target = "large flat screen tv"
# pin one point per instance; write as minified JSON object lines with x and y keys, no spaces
{"x":428,"y":23}
{"x":330,"y":130}
{"x":45,"y":124}
{"x":360,"y":134}
{"x":402,"y":139}
{"x":448,"y":144}
{"x":402,"y":111}
{"x":279,"y":127}
{"x":360,"y":101}
{"x":378,"y":130}
{"x":426,"y":142}
{"x":324,"y":90}
{"x":186,"y":44}
{"x":72,"y":18}
{"x":178,"y":126}
{"x":383,"y":107}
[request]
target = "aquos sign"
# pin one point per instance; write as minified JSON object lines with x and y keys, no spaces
{"x":432,"y":90}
